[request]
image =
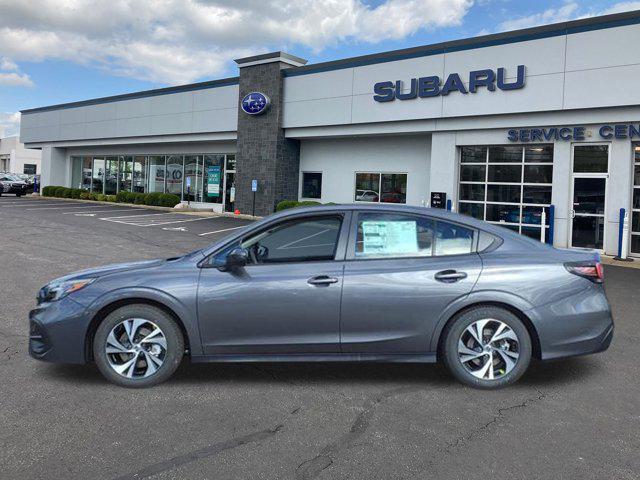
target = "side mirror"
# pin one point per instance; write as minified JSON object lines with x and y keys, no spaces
{"x":237,"y":258}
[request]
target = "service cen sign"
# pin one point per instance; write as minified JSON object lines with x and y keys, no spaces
{"x":432,"y":86}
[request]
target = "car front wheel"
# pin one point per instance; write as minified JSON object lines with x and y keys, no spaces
{"x":487,"y":347}
{"x":138,"y":346}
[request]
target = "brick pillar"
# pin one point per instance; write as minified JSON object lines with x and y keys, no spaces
{"x":263,"y":152}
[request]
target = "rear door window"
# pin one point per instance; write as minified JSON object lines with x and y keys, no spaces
{"x":391,"y":235}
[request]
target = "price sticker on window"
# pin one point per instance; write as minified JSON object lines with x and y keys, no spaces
{"x":390,"y":237}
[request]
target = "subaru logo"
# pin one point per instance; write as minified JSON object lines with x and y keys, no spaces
{"x":255,"y":103}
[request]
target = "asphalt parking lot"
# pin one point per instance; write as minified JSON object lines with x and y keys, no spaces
{"x":578,"y":418}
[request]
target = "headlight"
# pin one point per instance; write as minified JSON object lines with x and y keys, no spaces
{"x":57,"y":290}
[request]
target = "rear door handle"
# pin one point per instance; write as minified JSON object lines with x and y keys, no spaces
{"x":449,"y":276}
{"x":322,"y":280}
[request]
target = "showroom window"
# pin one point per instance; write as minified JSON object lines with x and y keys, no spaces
{"x":507,"y":185}
{"x":390,"y":235}
{"x":311,"y":184}
{"x":29,"y":169}
{"x":381,"y":187}
{"x":635,"y":205}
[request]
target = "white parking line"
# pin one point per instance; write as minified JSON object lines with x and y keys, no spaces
{"x":220,"y":231}
{"x":105,"y":211}
{"x":128,"y":216}
{"x":177,"y":221}
{"x":59,"y":208}
{"x":19,"y":204}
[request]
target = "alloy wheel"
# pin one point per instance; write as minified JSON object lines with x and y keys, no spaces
{"x":488,"y":349}
{"x":136,"y":348}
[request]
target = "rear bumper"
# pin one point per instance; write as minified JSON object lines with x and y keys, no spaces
{"x":578,"y":325}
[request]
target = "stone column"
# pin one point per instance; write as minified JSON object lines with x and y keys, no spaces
{"x":264,"y":154}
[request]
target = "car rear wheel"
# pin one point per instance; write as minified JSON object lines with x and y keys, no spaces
{"x":487,"y":347}
{"x":138,"y":346}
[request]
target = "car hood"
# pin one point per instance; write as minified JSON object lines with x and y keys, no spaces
{"x":109,"y":269}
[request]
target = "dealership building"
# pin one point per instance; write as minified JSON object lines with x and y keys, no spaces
{"x":499,"y":127}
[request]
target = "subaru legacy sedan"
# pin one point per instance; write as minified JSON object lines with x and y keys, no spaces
{"x":345,"y":283}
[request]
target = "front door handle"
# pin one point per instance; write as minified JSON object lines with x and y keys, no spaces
{"x":322,"y":280}
{"x":449,"y":276}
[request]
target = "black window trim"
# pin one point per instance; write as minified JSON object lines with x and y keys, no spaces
{"x":353,"y":233}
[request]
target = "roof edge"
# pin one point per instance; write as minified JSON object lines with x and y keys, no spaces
{"x":223,"y":82}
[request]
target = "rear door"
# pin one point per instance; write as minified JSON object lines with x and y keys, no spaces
{"x":402,"y":271}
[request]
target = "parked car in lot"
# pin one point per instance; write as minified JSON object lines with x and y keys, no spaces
{"x":334,"y":283}
{"x":12,"y":184}
{"x":366,"y":196}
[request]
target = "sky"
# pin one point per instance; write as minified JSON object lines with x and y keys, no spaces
{"x":57,"y":51}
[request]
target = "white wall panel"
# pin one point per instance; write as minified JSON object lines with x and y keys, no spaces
{"x":603,"y":87}
{"x":603,"y":48}
{"x":340,"y":159}
{"x":325,"y":111}
{"x":366,"y":110}
{"x":540,"y":56}
{"x":216,"y":98}
{"x":337,"y":83}
{"x":219,"y":120}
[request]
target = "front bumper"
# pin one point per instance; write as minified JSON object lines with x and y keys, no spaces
{"x":17,"y":190}
{"x":57,"y":332}
{"x":579,"y":325}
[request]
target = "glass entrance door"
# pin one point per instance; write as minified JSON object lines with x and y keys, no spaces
{"x":588,"y":212}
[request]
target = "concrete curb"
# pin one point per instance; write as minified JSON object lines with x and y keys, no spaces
{"x":609,"y":260}
{"x":186,"y":211}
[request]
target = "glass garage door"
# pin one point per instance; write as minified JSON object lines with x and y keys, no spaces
{"x":507,"y":185}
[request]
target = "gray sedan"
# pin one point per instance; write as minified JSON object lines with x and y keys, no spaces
{"x":334,"y":283}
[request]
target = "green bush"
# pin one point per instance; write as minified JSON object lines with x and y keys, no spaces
{"x":285,"y":204}
{"x":169,"y":200}
{"x":139,"y":198}
{"x":153,"y":198}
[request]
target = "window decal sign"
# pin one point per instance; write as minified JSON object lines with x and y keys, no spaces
{"x":213,"y":181}
{"x":390,"y":237}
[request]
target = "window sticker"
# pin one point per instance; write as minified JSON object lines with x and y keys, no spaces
{"x":390,"y":237}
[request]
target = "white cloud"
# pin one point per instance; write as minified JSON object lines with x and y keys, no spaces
{"x":176,"y":41}
{"x":13,"y":79}
{"x":571,"y":10}
{"x":6,"y":64}
{"x":9,"y":123}
{"x":551,"y":15}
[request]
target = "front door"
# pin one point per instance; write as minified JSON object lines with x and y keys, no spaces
{"x":286,"y":300}
{"x":404,"y":271}
{"x":588,"y":195}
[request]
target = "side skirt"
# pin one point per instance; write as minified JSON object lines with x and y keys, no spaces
{"x":328,"y":357}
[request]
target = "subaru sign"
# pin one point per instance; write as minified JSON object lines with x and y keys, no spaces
{"x":255,"y":103}
{"x":425,"y":87}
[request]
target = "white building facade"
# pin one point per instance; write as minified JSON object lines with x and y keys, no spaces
{"x":15,"y":158}
{"x":499,"y":127}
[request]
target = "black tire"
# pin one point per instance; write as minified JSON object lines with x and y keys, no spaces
{"x":164,"y":321}
{"x":454,"y":332}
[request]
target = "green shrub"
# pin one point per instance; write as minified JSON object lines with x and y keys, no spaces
{"x":169,"y":200}
{"x":86,"y":195}
{"x":111,"y":198}
{"x":124,"y":197}
{"x":139,"y":198}
{"x":285,"y":204}
{"x":76,"y":192}
{"x":153,"y":198}
{"x":48,"y":191}
{"x":101,"y":197}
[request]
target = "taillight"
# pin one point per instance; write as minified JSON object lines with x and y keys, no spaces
{"x":592,"y":271}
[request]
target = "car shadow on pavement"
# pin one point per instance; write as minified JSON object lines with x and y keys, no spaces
{"x":300,"y":374}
